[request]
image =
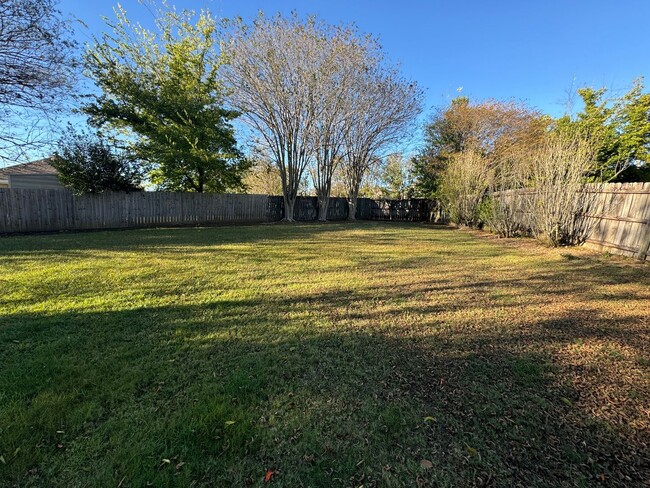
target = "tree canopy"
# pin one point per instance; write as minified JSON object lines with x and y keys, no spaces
{"x":162,"y":90}
{"x":496,"y":131}
{"x":87,"y":164}
{"x":318,"y":96}
{"x":618,"y":126}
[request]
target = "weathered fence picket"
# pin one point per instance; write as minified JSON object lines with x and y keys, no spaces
{"x":619,"y":221}
{"x":38,"y":210}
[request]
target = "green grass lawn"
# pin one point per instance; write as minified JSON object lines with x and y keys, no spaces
{"x":374,"y":354}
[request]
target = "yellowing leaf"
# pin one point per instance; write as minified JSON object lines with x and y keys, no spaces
{"x":229,"y":422}
{"x":429,"y":419}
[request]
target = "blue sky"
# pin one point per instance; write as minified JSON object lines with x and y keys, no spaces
{"x":532,"y":51}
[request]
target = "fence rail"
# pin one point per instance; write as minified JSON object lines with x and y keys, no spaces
{"x":44,"y":210}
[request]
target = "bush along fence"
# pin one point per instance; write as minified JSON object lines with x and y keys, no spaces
{"x":616,"y":220}
{"x":37,"y":210}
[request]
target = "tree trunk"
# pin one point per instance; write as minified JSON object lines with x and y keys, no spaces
{"x":289,"y":205}
{"x":352,"y":207}
{"x":323,"y":204}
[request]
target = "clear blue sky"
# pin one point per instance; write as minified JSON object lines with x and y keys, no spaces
{"x":526,"y":50}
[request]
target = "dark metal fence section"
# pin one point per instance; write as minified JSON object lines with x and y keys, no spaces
{"x":275,"y":208}
{"x":306,"y":209}
{"x":413,"y":210}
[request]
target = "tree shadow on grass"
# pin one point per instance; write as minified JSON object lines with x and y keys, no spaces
{"x":183,"y":237}
{"x":220,"y":393}
{"x":335,"y":387}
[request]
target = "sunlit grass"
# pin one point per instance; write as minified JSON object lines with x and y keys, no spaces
{"x":331,"y":355}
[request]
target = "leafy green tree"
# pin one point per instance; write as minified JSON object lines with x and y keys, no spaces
{"x":395,"y":177}
{"x":620,"y":129}
{"x":87,"y":164}
{"x":161,"y":89}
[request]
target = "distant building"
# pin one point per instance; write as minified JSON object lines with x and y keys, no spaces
{"x":37,"y":174}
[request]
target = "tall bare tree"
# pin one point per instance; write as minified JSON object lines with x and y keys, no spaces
{"x":385,"y":107}
{"x":317,"y":94}
{"x":347,"y":57}
{"x":273,"y":72}
{"x":37,"y":71}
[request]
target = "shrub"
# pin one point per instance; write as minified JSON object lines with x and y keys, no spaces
{"x":463,"y":186}
{"x":563,"y":198}
{"x":87,"y":164}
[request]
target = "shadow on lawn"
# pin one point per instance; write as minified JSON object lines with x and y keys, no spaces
{"x":337,"y":388}
{"x":177,"y":238}
{"x":323,"y":408}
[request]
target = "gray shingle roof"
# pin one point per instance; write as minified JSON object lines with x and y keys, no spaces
{"x":40,"y":167}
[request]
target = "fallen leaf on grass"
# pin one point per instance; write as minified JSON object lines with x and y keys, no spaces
{"x":2,"y":460}
{"x":426,"y":464}
{"x":269,"y":475}
{"x":229,"y":422}
{"x":429,"y":419}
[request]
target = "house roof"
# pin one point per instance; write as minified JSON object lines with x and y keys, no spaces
{"x":40,"y":167}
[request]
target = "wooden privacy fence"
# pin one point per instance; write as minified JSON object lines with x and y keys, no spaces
{"x":31,"y":210}
{"x":618,"y":221}
{"x":39,"y":210}
{"x":624,"y":227}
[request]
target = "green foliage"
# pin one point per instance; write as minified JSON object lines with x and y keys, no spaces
{"x":619,"y":127}
{"x":86,"y":164}
{"x":395,"y":177}
{"x":442,"y":138}
{"x":162,"y":90}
